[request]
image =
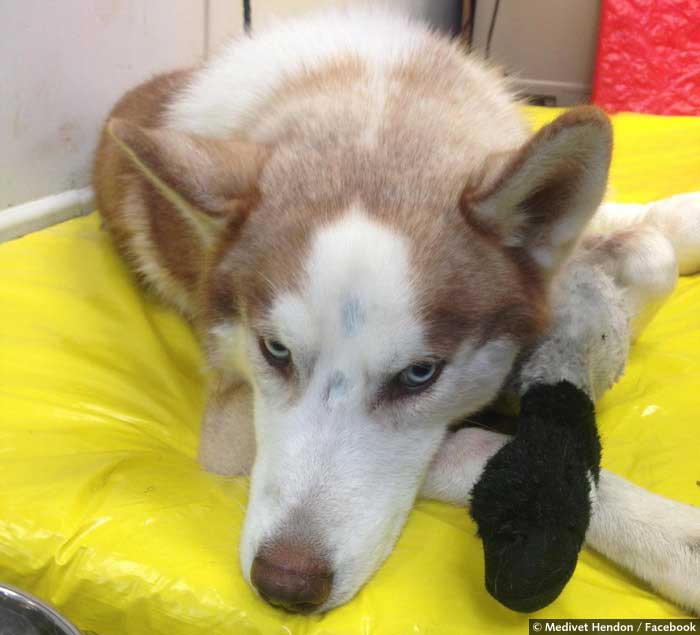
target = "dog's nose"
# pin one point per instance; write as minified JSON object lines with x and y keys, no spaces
{"x":291,"y":577}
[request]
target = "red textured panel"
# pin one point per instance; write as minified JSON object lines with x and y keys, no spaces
{"x":649,"y":57}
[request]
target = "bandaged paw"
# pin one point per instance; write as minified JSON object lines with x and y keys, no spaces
{"x":532,"y":504}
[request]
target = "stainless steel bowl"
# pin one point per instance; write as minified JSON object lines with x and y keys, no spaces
{"x":23,"y":614}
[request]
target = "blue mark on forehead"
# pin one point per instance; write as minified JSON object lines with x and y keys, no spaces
{"x":352,"y":316}
{"x":336,"y":387}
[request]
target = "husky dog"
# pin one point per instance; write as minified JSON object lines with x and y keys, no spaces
{"x":364,"y":232}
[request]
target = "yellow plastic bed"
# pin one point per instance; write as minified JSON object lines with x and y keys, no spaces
{"x":105,"y":513}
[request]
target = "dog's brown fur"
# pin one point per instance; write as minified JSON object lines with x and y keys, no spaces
{"x":244,"y":198}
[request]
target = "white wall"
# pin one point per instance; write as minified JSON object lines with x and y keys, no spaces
{"x":63,"y":63}
{"x":549,"y":46}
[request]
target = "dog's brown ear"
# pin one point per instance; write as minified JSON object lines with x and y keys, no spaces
{"x":204,"y":179}
{"x":549,"y":189}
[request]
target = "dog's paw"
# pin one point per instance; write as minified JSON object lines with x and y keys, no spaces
{"x":227,"y":443}
{"x":681,"y":583}
{"x":532,"y":504}
{"x":655,"y":538}
{"x":668,"y":554}
{"x":678,"y":218}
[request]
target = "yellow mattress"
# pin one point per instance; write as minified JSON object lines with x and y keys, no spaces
{"x":105,"y":513}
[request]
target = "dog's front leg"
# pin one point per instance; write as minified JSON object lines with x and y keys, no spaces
{"x":227,"y":444}
{"x":532,"y":503}
{"x":655,"y":538}
{"x":459,"y":463}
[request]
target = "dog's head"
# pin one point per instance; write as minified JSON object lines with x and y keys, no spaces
{"x":366,"y":323}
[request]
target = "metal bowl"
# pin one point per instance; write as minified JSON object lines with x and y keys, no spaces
{"x":23,"y":614}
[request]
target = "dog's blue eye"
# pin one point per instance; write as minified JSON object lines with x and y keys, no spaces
{"x":278,"y":351}
{"x":417,"y":375}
